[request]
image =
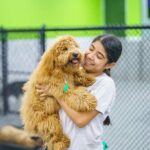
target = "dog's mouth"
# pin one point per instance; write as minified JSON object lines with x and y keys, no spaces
{"x":75,"y":61}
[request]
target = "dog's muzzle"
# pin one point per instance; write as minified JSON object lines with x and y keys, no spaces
{"x":75,"y":58}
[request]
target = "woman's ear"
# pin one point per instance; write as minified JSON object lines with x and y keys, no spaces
{"x":109,"y":65}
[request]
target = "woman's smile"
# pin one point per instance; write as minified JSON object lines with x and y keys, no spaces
{"x":87,"y":62}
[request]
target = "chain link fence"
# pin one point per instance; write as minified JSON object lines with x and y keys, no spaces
{"x":20,"y":51}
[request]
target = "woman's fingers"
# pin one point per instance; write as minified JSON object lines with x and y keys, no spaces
{"x":39,"y":90}
{"x":42,"y":91}
{"x":39,"y":86}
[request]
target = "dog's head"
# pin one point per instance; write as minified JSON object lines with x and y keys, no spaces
{"x":67,"y":52}
{"x":63,"y":54}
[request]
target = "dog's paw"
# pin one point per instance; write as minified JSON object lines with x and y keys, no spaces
{"x":89,"y":80}
{"x":66,"y":141}
{"x":62,"y":144}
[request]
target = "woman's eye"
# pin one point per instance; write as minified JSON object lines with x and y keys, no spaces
{"x":99,"y":57}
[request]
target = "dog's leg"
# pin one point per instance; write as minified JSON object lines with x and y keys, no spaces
{"x":82,"y":78}
{"x":13,"y":135}
{"x":46,"y":125}
{"x":80,"y":100}
{"x":61,"y":145}
{"x":52,"y":133}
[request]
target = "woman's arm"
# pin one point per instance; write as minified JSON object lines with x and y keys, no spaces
{"x":79,"y":118}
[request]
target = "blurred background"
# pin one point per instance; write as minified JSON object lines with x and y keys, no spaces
{"x":29,"y":27}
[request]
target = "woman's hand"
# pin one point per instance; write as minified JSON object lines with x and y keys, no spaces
{"x":42,"y":91}
{"x":79,"y":118}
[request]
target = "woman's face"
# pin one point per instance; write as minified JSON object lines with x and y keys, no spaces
{"x":95,"y":60}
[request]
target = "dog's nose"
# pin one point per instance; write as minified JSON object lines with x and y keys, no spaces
{"x":75,"y":55}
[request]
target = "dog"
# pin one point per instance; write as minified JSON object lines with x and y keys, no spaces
{"x":12,"y":135}
{"x":15,"y":89}
{"x":60,"y":69}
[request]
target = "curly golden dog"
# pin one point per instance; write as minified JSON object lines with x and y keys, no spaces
{"x":60,"y":69}
{"x":12,"y":135}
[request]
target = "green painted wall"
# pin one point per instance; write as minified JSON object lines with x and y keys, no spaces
{"x":115,"y":14}
{"x":70,"y":13}
{"x":52,"y":13}
{"x":133,"y":16}
{"x":123,"y":12}
{"x":133,"y":12}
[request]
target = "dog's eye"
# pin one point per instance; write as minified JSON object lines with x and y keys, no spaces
{"x":65,"y":49}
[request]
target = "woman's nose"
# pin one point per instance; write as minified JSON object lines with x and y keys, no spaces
{"x":90,"y":56}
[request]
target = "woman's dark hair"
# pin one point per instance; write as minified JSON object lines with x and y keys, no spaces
{"x":107,"y":121}
{"x":113,"y":48}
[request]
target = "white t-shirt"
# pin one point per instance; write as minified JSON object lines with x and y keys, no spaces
{"x":89,"y":137}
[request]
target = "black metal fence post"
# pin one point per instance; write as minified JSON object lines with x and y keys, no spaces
{"x":4,"y":70}
{"x":42,"y":39}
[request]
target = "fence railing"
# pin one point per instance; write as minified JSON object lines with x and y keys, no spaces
{"x":21,"y":49}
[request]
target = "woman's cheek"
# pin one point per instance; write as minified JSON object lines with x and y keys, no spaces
{"x":87,"y":52}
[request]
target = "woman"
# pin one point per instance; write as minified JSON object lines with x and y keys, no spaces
{"x":85,"y":128}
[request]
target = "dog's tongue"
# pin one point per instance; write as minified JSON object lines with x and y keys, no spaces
{"x":75,"y":61}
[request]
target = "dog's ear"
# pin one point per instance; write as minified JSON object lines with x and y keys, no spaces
{"x":47,"y":60}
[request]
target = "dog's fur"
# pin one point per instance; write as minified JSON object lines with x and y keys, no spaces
{"x":60,"y":63}
{"x":13,"y":135}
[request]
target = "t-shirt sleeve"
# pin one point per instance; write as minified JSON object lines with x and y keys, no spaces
{"x":105,"y":95}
